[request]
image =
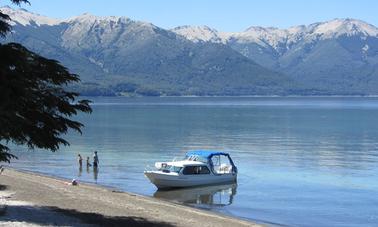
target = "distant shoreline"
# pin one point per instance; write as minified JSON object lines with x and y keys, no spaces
{"x":241,"y":96}
{"x":31,"y":198}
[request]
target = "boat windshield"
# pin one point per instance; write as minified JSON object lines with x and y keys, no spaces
{"x":170,"y":168}
{"x":196,"y":158}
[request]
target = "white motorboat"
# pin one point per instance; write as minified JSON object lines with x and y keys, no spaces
{"x":198,"y":168}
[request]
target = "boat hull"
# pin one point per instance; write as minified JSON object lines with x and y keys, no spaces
{"x":163,"y":181}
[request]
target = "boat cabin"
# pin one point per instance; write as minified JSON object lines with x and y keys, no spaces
{"x":218,"y":162}
{"x":198,"y":168}
{"x":200,"y":162}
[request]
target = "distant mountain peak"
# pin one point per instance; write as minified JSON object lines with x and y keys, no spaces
{"x":92,"y":18}
{"x":202,"y":27}
{"x":347,"y":26}
{"x":24,"y":17}
{"x":277,"y":38}
{"x":201,"y":33}
{"x":338,"y":56}
{"x":260,"y":29}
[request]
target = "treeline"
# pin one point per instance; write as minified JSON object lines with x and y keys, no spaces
{"x":135,"y":90}
{"x":124,"y":89}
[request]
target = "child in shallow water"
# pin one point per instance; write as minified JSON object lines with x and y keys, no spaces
{"x":88,"y":163}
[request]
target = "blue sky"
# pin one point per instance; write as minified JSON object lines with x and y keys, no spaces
{"x":225,"y":15}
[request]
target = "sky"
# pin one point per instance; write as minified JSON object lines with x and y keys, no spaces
{"x":223,"y":15}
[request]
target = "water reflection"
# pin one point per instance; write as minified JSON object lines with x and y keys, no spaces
{"x":95,"y":174}
{"x":80,"y":171}
{"x":208,"y":196}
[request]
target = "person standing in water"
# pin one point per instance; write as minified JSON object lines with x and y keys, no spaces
{"x":88,"y":162}
{"x":80,"y":160}
{"x":95,"y":160}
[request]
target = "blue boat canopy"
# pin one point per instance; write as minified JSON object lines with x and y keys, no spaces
{"x":205,"y":153}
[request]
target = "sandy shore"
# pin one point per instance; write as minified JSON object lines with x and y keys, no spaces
{"x":28,"y":199}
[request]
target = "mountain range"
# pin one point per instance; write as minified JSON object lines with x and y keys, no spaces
{"x":117,"y":55}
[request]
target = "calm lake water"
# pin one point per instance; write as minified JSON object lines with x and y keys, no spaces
{"x":301,"y":161}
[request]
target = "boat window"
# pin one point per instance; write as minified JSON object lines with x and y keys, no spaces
{"x":192,"y":170}
{"x":175,"y":169}
{"x":216,"y":160}
{"x":221,"y":164}
{"x":204,"y":170}
{"x":168,"y":168}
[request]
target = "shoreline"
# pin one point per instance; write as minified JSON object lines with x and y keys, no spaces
{"x":236,"y":96}
{"x":27,"y":199}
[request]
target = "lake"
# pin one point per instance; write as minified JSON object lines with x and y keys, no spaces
{"x":302,"y":161}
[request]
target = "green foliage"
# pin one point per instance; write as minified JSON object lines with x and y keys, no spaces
{"x":34,"y":108}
